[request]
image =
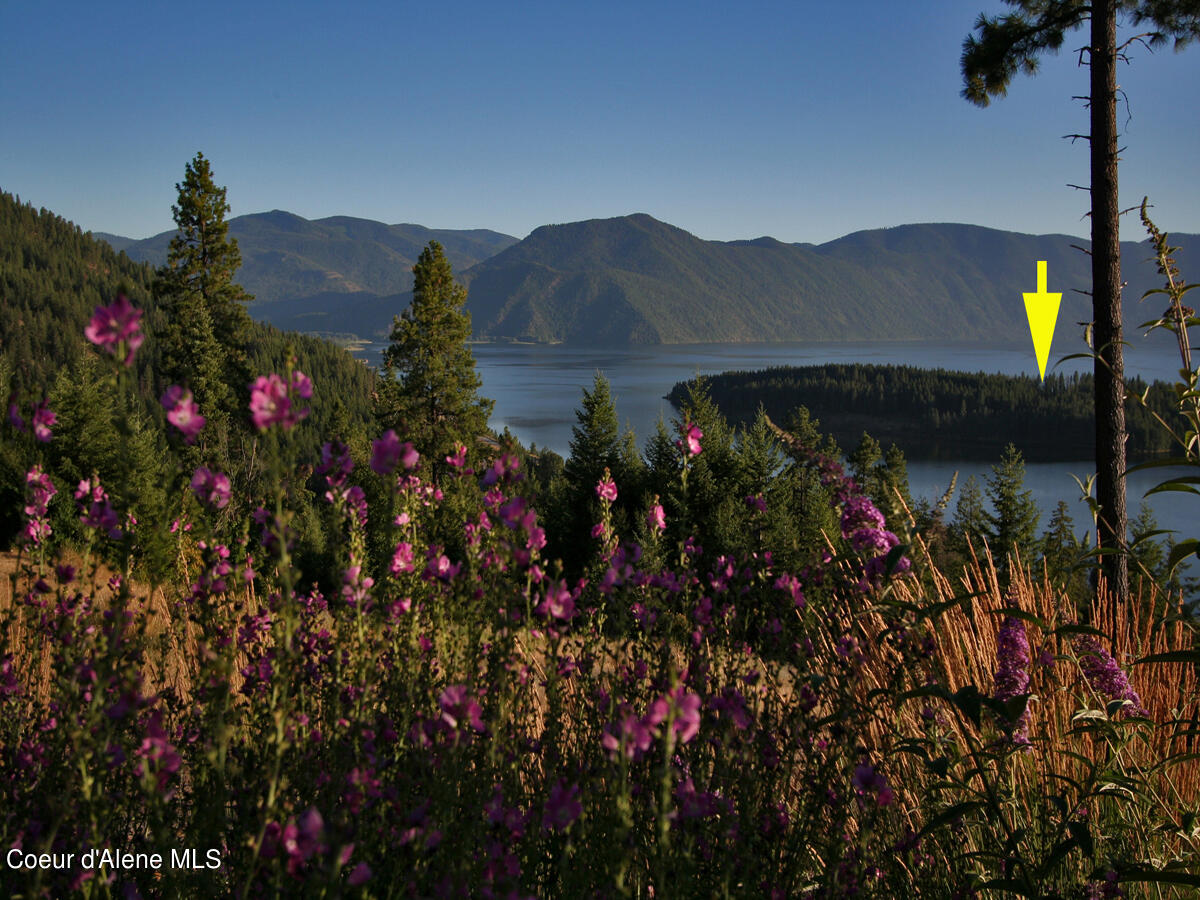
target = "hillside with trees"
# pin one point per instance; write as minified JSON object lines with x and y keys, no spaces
{"x":53,"y":277}
{"x":939,"y":414}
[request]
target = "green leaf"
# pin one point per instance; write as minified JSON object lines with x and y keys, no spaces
{"x":969,"y":702}
{"x":950,"y":814}
{"x":1182,"y":551}
{"x":1022,"y":615}
{"x":1170,"y":656}
{"x":1149,"y":875}
{"x":1079,"y":629}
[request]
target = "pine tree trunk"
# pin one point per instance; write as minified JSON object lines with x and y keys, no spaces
{"x":1106,"y":296}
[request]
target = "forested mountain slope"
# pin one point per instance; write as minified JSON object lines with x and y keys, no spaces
{"x":637,"y":280}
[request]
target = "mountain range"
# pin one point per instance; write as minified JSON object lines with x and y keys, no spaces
{"x":635,"y":279}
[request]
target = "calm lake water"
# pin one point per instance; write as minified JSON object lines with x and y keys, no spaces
{"x":536,"y":389}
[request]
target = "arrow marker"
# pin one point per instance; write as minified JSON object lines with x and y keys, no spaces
{"x":1042,"y":311}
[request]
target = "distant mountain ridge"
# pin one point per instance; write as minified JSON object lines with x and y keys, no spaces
{"x":635,"y":279}
{"x":287,"y":257}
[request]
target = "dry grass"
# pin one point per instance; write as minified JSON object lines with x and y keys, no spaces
{"x":966,"y":637}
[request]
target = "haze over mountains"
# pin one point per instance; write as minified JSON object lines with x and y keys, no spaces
{"x":634,"y":279}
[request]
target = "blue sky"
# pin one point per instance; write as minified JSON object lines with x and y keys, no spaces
{"x":780,"y":118}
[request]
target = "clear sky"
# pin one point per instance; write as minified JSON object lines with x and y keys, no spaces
{"x":790,"y":118}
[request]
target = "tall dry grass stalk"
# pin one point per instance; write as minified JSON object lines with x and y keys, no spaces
{"x":1161,"y":755}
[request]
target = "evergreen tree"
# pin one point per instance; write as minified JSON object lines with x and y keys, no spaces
{"x":862,"y":465}
{"x":595,"y":446}
{"x":207,"y":327}
{"x":970,"y":517}
{"x":896,"y":496}
{"x":595,"y":441}
{"x":1014,"y":522}
{"x":1008,"y":44}
{"x":1148,"y":551}
{"x":430,"y":392}
{"x":1060,"y":545}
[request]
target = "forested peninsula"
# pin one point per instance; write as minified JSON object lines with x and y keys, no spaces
{"x":940,"y":414}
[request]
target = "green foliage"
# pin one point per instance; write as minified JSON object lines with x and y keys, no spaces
{"x":52,"y":275}
{"x":430,"y":388}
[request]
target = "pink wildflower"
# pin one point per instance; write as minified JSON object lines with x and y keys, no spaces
{"x":459,"y":708}
{"x":211,"y":488}
{"x":182,"y":412}
{"x":562,"y":807}
{"x":656,"y":518}
{"x":607,"y":488}
{"x":687,"y":714}
{"x":115,"y":327}
{"x":691,"y":438}
{"x":388,"y":452}
{"x":402,"y":559}
{"x":43,"y":418}
{"x":271,"y":402}
{"x":39,"y":491}
{"x":94,"y":509}
{"x":301,"y":385}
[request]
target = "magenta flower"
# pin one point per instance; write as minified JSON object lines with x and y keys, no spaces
{"x":211,"y":488}
{"x":271,"y":402}
{"x":562,"y":807}
{"x":94,"y":509}
{"x":791,"y":584}
{"x":43,"y":418}
{"x":858,"y":514}
{"x":1012,"y":674}
{"x":158,"y":755}
{"x":1106,"y":676}
{"x":559,"y":602}
{"x":459,"y":458}
{"x":402,"y":559}
{"x":656,"y":518}
{"x":607,"y":488}
{"x":460,"y":709}
{"x":691,"y":438}
{"x":116,"y":327}
{"x":387,"y":453}
{"x":182,"y":412}
{"x":866,"y":780}
{"x":336,"y":464}
{"x":687,"y":714}
{"x":14,"y":415}
{"x":39,"y":491}
{"x":301,"y":384}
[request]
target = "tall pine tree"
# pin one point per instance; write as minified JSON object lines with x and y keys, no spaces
{"x":430,"y":392}
{"x":1005,"y":45}
{"x":204,"y":344}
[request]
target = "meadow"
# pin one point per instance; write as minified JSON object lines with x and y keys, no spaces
{"x":468,"y":723}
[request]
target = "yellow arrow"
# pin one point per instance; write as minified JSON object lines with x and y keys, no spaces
{"x":1042,"y":311}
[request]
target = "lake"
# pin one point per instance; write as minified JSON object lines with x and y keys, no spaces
{"x":536,"y":389}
